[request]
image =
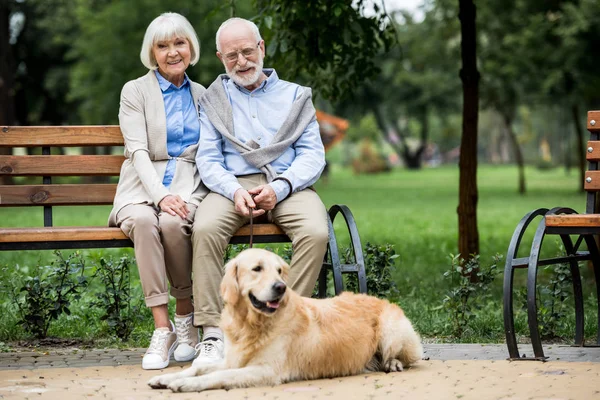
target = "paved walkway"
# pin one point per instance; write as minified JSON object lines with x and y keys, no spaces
{"x":453,"y":371}
{"x":74,"y":357}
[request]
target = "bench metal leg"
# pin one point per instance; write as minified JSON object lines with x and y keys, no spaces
{"x":359,"y":262}
{"x":595,"y":258}
{"x":331,"y":262}
{"x":573,"y":256}
{"x":322,"y":293}
{"x":332,"y":258}
{"x":534,"y":262}
{"x":577,"y":288}
{"x":534,"y":256}
{"x":509,"y":268}
{"x":571,"y":250}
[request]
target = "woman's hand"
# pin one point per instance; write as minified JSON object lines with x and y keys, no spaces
{"x":174,"y":205}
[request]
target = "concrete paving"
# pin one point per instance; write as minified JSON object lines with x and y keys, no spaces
{"x":74,"y":357}
{"x":452,"y":371}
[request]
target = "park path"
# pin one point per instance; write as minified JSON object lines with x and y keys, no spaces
{"x":453,"y":371}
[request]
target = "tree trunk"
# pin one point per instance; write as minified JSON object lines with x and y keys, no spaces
{"x":7,"y":111}
{"x":412,"y":160}
{"x":415,"y":160}
{"x":580,"y":146}
{"x":383,"y":128}
{"x":517,"y":149}
{"x":468,"y":235}
{"x":417,"y":156}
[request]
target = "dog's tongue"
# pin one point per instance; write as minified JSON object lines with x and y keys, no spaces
{"x":273,"y":304}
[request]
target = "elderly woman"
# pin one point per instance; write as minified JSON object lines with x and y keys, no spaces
{"x":160,"y":187}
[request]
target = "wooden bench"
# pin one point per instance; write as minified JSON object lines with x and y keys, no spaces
{"x":52,"y":163}
{"x":561,"y":222}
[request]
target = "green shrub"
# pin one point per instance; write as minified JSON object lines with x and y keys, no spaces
{"x":379,"y":263}
{"x":552,"y":294}
{"x":48,"y":293}
{"x":466,"y":295}
{"x":544,"y":165}
{"x":115,"y":299}
{"x":233,"y":250}
{"x":552,"y":300}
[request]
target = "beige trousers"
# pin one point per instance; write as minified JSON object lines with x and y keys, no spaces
{"x":302,"y":216}
{"x":163,"y":250}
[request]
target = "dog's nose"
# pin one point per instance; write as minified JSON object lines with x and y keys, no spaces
{"x":279,"y":287}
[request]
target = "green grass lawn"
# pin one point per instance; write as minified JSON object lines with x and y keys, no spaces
{"x":416,"y":210}
{"x":413,"y":210}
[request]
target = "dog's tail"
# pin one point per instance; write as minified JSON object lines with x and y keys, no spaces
{"x":412,"y":349}
{"x":399,"y":340}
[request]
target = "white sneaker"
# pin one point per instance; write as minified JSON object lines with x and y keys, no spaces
{"x":210,"y":351}
{"x":162,"y":346}
{"x":187,"y":337}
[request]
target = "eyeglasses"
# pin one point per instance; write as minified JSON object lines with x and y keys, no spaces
{"x":247,"y":53}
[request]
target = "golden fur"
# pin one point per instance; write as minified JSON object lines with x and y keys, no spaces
{"x":295,"y":338}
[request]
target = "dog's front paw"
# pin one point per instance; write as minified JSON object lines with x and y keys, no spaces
{"x":160,"y":381}
{"x":186,"y":385}
{"x":393,"y":365}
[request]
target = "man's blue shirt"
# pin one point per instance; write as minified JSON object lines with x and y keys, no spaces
{"x":257,"y":116}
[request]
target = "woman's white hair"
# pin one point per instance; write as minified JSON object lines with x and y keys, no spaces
{"x":165,"y":27}
{"x":234,"y":20}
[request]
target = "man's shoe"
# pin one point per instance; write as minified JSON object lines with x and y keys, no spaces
{"x":187,"y":337}
{"x":210,"y":350}
{"x":162,"y":346}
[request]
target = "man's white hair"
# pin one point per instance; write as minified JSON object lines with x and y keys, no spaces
{"x":165,"y":27}
{"x":234,"y":20}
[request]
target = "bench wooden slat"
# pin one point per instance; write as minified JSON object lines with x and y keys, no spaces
{"x":594,"y":146}
{"x":75,"y":194}
{"x":594,"y":180}
{"x":68,"y":136}
{"x":57,"y":195}
{"x":573,"y":220}
{"x":61,"y":234}
{"x":93,"y":233}
{"x":59,"y":165}
{"x":593,"y":116}
{"x":260,"y":229}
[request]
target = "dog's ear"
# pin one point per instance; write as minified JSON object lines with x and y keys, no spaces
{"x":285,"y":268}
{"x":229,"y":285}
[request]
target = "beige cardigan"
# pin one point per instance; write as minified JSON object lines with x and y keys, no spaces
{"x":143,"y":123}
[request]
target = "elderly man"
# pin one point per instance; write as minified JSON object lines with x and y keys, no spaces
{"x":259,"y":152}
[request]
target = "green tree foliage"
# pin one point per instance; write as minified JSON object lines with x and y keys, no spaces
{"x":500,"y":23}
{"x":366,"y":128}
{"x":418,"y":82}
{"x":106,"y":52}
{"x":329,"y":44}
{"x":41,"y":34}
{"x":7,"y":111}
{"x":537,"y":52}
{"x":573,"y":74}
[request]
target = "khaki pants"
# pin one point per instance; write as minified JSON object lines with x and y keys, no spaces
{"x":163,"y":250}
{"x":302,"y":216}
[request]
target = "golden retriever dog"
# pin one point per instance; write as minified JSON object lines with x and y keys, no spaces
{"x":273,"y":336}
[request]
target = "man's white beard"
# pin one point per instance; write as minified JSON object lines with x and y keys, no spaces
{"x":246,"y":80}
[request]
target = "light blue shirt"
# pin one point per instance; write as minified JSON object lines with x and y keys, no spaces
{"x":183,"y":128}
{"x":257,"y":116}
